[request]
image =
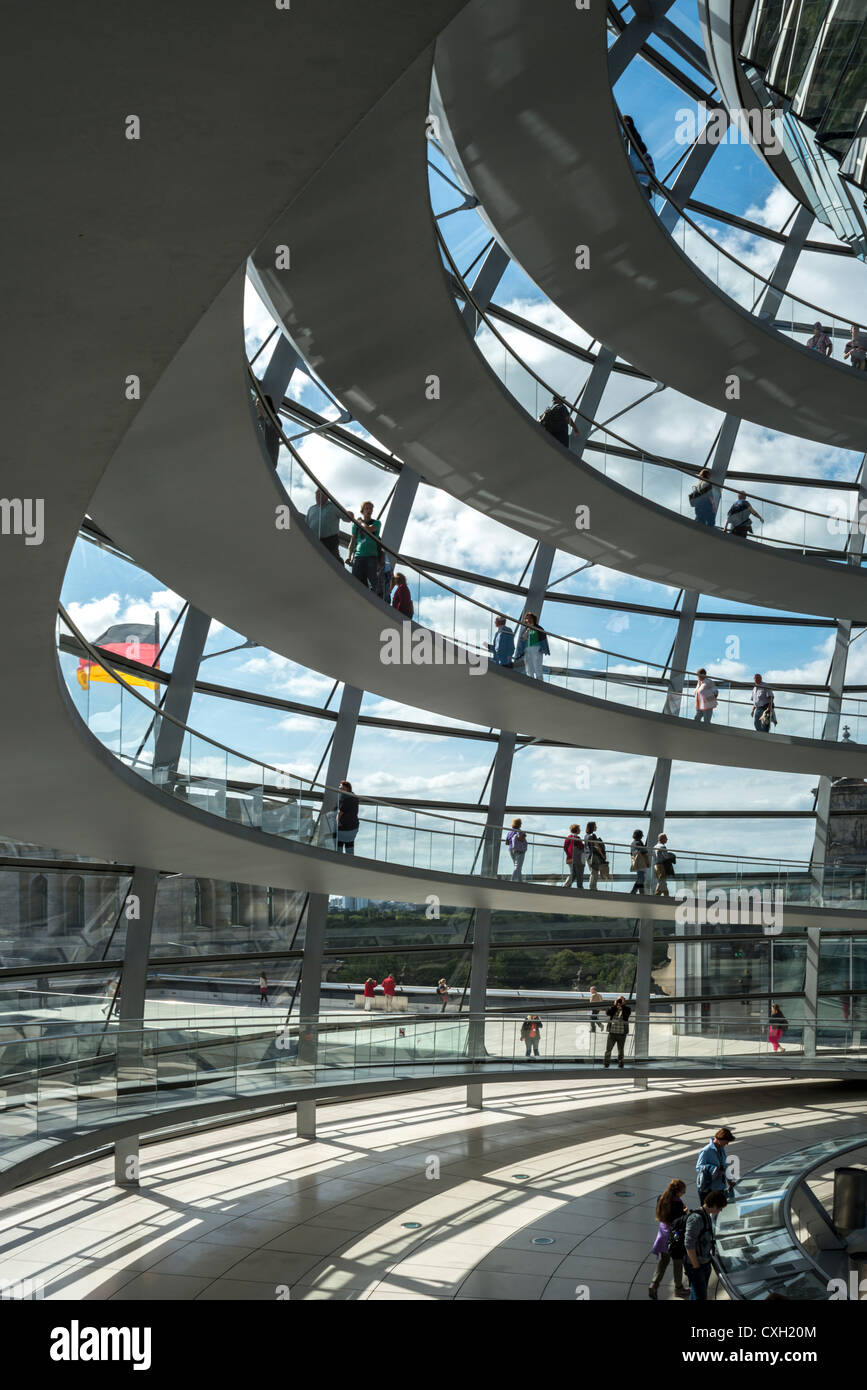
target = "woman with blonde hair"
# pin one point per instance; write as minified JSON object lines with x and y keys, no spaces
{"x":669,"y":1207}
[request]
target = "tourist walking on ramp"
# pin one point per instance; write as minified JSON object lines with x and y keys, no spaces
{"x":263,"y":988}
{"x":573,"y":848}
{"x":706,"y":697}
{"x":596,"y":1002}
{"x":516,"y":843}
{"x":503,"y":645}
{"x":663,"y":866}
{"x":365,"y":548}
{"x":639,"y":860}
{"x":762,"y":699}
{"x":594,"y":852}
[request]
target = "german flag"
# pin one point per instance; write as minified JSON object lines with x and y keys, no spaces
{"x":135,"y":641}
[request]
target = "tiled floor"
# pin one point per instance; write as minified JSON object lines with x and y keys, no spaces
{"x":253,"y":1213}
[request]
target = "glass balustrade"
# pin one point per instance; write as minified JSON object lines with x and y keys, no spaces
{"x":131,"y":1072}
{"x":249,"y":793}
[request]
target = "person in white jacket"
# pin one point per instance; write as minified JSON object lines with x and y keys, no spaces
{"x":706,"y":697}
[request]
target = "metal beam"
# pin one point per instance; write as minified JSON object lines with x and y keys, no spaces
{"x":139,"y":911}
{"x":634,"y":36}
{"x":491,"y":272}
{"x":342,"y":742}
{"x":497,"y":799}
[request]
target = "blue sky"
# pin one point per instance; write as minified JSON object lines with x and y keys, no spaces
{"x":101,"y":588}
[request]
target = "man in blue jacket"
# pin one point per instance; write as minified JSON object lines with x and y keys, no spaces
{"x":503,"y":645}
{"x":711,"y":1171}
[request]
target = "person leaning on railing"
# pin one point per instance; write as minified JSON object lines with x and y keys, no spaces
{"x":820,"y":342}
{"x":323,"y":518}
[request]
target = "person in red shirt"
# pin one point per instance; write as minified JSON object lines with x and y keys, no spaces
{"x":369,"y":992}
{"x":401,"y":599}
{"x":388,"y":988}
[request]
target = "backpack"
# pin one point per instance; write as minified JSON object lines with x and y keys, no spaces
{"x":555,"y":417}
{"x":677,"y":1235}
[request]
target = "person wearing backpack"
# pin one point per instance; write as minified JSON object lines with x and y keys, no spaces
{"x":618,"y":1027}
{"x":698,"y":1244}
{"x":671,"y":1213}
{"x":706,"y":697}
{"x":516,"y":843}
{"x":739,"y":519}
{"x":594,"y":850}
{"x":701,"y":499}
{"x":711,"y":1166}
{"x":531,"y":1030}
{"x":573,"y":848}
{"x":663,"y":866}
{"x":639,"y":860}
{"x":556,"y":420}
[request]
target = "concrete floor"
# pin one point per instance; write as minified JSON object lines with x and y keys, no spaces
{"x":251,"y":1212}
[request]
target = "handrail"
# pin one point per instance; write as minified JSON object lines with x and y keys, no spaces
{"x":440,"y":584}
{"x":650,"y":457}
{"x":667,"y":194}
{"x":479,"y":828}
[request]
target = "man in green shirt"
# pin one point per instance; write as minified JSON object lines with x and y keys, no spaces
{"x":364,"y":547}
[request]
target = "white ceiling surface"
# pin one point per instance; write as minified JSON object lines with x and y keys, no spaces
{"x":534,"y":120}
{"x":112,"y":249}
{"x":219,"y":545}
{"x":368,"y":303}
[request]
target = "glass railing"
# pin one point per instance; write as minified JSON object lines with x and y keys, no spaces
{"x":774,"y":1238}
{"x":580,"y":667}
{"x":661,"y":480}
{"x":134,"y":1072}
{"x":794,"y":316}
{"x":248,"y":792}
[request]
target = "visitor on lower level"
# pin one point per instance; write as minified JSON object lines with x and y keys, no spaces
{"x":401,"y":598}
{"x":702,"y":499}
{"x":777,"y":1027}
{"x":706,"y":697}
{"x":762,"y":700}
{"x":573,"y":848}
{"x":324,"y":521}
{"x":639,"y":859}
{"x":263,"y":988}
{"x":739,"y":519}
{"x":618,"y":1027}
{"x":820,"y":342}
{"x":347,"y":818}
{"x":389,"y":985}
{"x":699,"y":1244}
{"x":670,"y":1207}
{"x":532,"y":647}
{"x":364,"y":547}
{"x":663,"y":866}
{"x":443,"y":992}
{"x":503,"y":645}
{"x":531,"y":1031}
{"x":369,"y":993}
{"x":855,"y":351}
{"x":516,"y":843}
{"x":594,"y":853}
